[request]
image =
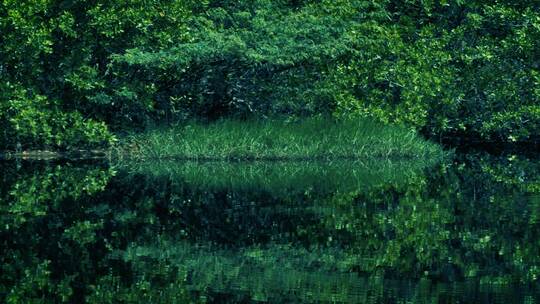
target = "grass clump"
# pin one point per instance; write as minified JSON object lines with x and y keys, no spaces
{"x":310,"y":139}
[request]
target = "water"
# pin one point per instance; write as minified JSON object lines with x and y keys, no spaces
{"x":463,"y":230}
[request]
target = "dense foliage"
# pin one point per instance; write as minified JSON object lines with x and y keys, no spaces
{"x":72,"y":71}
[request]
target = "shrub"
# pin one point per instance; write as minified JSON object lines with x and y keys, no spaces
{"x":32,"y":121}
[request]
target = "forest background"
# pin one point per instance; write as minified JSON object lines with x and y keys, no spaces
{"x":75,"y":74}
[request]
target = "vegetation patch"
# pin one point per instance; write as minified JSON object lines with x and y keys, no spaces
{"x":311,"y":139}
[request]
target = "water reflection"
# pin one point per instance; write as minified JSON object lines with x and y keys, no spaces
{"x":461,"y":230}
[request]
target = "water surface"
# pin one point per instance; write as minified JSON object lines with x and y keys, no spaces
{"x":462,"y":230}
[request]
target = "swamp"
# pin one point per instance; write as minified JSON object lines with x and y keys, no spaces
{"x":270,"y":151}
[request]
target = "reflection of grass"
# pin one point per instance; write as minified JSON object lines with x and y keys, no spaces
{"x":264,"y":274}
{"x":282,"y":176}
{"x":277,"y":140}
{"x":287,"y":274}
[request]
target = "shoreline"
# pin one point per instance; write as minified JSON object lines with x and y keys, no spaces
{"x":40,"y":155}
{"x":102,"y":155}
{"x":236,"y":141}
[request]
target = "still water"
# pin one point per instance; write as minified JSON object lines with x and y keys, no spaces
{"x":460,"y":230}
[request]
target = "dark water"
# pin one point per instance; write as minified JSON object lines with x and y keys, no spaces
{"x":464,"y":230}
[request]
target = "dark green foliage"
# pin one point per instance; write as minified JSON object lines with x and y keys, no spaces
{"x":446,"y":67}
{"x":33,"y":121}
{"x":59,"y":51}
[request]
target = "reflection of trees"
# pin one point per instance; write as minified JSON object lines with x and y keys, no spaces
{"x":33,"y":195}
{"x":44,"y":230}
{"x":85,"y":232}
{"x":399,"y":229}
{"x":476,"y":219}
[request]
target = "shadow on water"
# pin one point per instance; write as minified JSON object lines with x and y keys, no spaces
{"x":460,"y":230}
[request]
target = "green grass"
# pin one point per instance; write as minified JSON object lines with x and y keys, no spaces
{"x":310,"y":139}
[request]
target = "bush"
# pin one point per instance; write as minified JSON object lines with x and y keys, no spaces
{"x":32,"y":121}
